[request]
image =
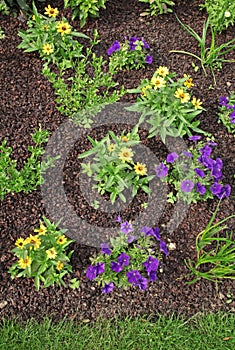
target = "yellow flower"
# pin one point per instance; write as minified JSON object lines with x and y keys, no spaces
{"x":47,"y":49}
{"x":33,"y":18}
{"x":124,"y":139}
{"x":20,"y":243}
{"x":145,"y":88}
{"x":41,"y":230}
{"x":140,"y":168}
{"x":126,"y":154}
{"x":61,"y":239}
{"x":188,"y":82}
{"x":60,"y":265}
{"x":196,"y":103}
{"x":163,"y":71}
{"x":184,"y":96}
{"x":111,"y":147}
{"x":23,"y":263}
{"x":63,"y":28}
{"x":51,"y":253}
{"x":35,"y":240}
{"x":158,"y":82}
{"x":51,"y":12}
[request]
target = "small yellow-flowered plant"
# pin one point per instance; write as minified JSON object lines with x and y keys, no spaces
{"x":47,"y":49}
{"x":182,"y":95}
{"x":42,"y":256}
{"x":51,"y":12}
{"x":63,"y":28}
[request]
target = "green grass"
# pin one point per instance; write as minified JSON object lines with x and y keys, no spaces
{"x":202,"y":332}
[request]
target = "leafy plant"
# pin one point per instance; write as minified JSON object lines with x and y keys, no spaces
{"x":43,"y":256}
{"x":31,"y":175}
{"x":227,"y":112}
{"x":4,"y":7}
{"x":193,"y":174}
{"x":218,"y":263}
{"x":221,"y":13}
{"x":166,"y":105}
{"x":157,"y":7}
{"x":211,"y":56}
{"x":132,"y":54}
{"x":128,"y":260}
{"x":84,"y":8}
{"x":2,"y":35}
{"x":113,"y":167}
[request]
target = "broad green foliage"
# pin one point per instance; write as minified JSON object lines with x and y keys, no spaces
{"x":85,"y":8}
{"x":157,"y":7}
{"x":221,"y":13}
{"x":30,"y":176}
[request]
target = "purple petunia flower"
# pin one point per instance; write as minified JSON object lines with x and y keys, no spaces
{"x":199,"y":172}
{"x":116,"y":266}
{"x":108,"y":287}
{"x":105,"y":248}
{"x":171,"y":158}
{"x":93,"y":271}
{"x":155,"y":232}
{"x":194,"y":138}
{"x":206,"y":150}
{"x":126,"y":227}
{"x":142,"y":283}
{"x":133,"y":276}
{"x":151,"y":264}
{"x":123,"y":259}
{"x":225,"y":192}
{"x":132,"y":44}
{"x":152,"y":275}
{"x":212,"y":143}
{"x":186,"y":185}
{"x":161,"y":170}
{"x":223,"y":101}
{"x":118,"y":219}
{"x":206,"y":161}
{"x":149,"y":59}
{"x":146,"y":45}
{"x":216,"y":188}
{"x":163,"y":248}
{"x":200,"y":188}
{"x":187,"y":154}
{"x":114,"y":47}
{"x":131,"y":239}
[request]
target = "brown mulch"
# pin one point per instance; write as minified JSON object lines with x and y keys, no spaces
{"x":27,"y":100}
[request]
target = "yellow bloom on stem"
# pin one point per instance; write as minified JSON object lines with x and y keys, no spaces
{"x":111,"y":147}
{"x":33,"y":18}
{"x":59,"y":266}
{"x":184,"y":96}
{"x":158,"y":82}
{"x":63,"y":28}
{"x":47,"y":49}
{"x":41,"y":230}
{"x":124,"y":139}
{"x":20,"y":242}
{"x":61,"y":239}
{"x":35,"y":240}
{"x":163,"y":71}
{"x":197,"y":103}
{"x":51,"y":12}
{"x":24,"y":263}
{"x":140,"y":168}
{"x":144,"y":88}
{"x":188,"y":82}
{"x":51,"y":253}
{"x":126,"y":154}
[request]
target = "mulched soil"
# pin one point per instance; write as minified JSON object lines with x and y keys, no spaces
{"x":27,"y":99}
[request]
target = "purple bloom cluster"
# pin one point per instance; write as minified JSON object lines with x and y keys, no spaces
{"x":114,"y":47}
{"x":93,"y":271}
{"x":136,"y":279}
{"x":161,"y":170}
{"x":224,"y":101}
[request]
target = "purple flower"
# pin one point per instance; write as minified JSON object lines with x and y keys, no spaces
{"x":142,"y":283}
{"x":187,"y":154}
{"x":206,"y":161}
{"x":151,"y":264}
{"x":105,"y":248}
{"x":114,"y":47}
{"x":194,"y":138}
{"x":123,"y":259}
{"x":161,"y":170}
{"x":200,"y":188}
{"x":146,"y":45}
{"x":186,"y":186}
{"x":212,"y":143}
{"x":131,"y":239}
{"x":152,"y":275}
{"x":133,"y":276}
{"x":132,"y":44}
{"x":223,"y":101}
{"x":216,"y":188}
{"x":199,"y":172}
{"x":116,"y":266}
{"x":126,"y":227}
{"x":118,"y":219}
{"x":163,"y":248}
{"x":171,"y":158}
{"x":149,"y":59}
{"x":93,"y":271}
{"x":225,"y":192}
{"x":108,"y":287}
{"x":206,"y":150}
{"x":155,"y":232}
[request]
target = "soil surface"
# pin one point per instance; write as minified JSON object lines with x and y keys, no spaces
{"x":27,"y":100}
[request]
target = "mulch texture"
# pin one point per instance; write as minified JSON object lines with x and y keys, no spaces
{"x":27,"y":100}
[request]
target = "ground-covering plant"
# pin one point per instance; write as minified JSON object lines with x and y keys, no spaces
{"x":193,"y":174}
{"x":212,"y":56}
{"x":215,"y":252}
{"x":157,"y":7}
{"x":113,"y":167}
{"x":4,"y":8}
{"x":31,"y":174}
{"x":85,"y":8}
{"x":128,"y":260}
{"x":227,"y":112}
{"x":132,"y":54}
{"x":221,"y":13}
{"x":53,"y":39}
{"x":43,"y":256}
{"x":167,"y":105}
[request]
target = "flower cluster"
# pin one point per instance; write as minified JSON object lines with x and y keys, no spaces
{"x":194,"y":174}
{"x":167,"y":105}
{"x":227,"y":112}
{"x":128,"y":260}
{"x":42,"y":256}
{"x":114,"y":168}
{"x":132,"y":54}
